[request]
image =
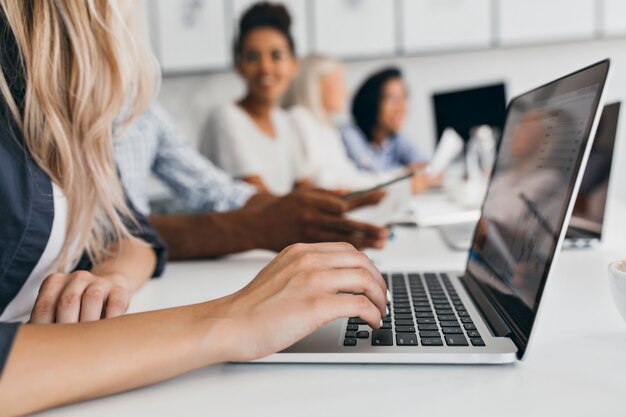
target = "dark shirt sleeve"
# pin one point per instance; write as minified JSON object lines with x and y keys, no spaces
{"x":7,"y":334}
{"x":141,"y":229}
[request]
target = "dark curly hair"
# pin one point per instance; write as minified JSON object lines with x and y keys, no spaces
{"x":264,"y":15}
{"x":366,"y":101}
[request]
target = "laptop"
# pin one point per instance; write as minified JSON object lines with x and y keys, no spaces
{"x":486,"y":314}
{"x":586,"y":223}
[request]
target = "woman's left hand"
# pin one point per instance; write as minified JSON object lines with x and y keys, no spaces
{"x":81,"y":296}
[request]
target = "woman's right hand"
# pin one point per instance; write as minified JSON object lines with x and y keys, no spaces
{"x":305,"y":287}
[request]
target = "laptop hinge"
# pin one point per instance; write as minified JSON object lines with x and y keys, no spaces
{"x":494,"y":320}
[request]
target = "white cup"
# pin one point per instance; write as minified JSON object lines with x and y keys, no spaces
{"x":617,"y":283}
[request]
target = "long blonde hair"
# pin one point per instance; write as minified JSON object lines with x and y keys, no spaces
{"x":83,"y":62}
{"x":305,"y":89}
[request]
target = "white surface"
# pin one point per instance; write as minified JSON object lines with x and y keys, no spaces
{"x":575,"y":366}
{"x":190,"y":35}
{"x":299,"y":23}
{"x":438,"y":208}
{"x":537,"y":21}
{"x":354,"y":28}
{"x":612,"y":18}
{"x":439,"y":25}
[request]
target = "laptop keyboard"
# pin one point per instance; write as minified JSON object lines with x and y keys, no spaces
{"x":424,"y":312}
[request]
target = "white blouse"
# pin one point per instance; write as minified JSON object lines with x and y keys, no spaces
{"x":237,"y":145}
{"x":20,"y":307}
{"x":326,"y":156}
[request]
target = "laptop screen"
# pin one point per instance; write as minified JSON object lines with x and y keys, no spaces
{"x":539,"y":156}
{"x":588,"y":214}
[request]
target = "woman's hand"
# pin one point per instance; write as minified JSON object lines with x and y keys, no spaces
{"x":302,"y":289}
{"x":81,"y":296}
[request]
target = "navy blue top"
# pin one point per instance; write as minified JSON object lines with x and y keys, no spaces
{"x":26,"y":204}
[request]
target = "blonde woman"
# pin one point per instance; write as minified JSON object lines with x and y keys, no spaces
{"x":315,"y":96}
{"x":67,"y":68}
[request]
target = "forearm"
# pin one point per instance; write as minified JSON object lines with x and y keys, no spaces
{"x":135,"y":261}
{"x":207,"y":235}
{"x":56,"y":364}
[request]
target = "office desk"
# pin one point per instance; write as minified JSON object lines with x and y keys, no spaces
{"x":576,"y":365}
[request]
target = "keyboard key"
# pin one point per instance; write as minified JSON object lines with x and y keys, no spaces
{"x":466,"y":320}
{"x":446,"y":318}
{"x":382,"y":338}
{"x":422,"y":307}
{"x":445,"y":312}
{"x":404,"y":323}
{"x":406,"y":339}
{"x":349,"y":342}
{"x":427,"y":327}
{"x":405,"y":329}
{"x":401,"y":305}
{"x":477,"y":341}
{"x":356,"y":320}
{"x":350,"y":335}
{"x":456,"y":340}
{"x":404,"y":316}
{"x":473,"y":333}
{"x":363,"y":334}
{"x":469,"y":326}
{"x":426,"y":320}
{"x":386,"y":326}
{"x":352,"y":327}
{"x":449,"y":323}
{"x":429,"y":333}
{"x":432,"y":342}
{"x":463,"y":314}
{"x":451,"y":330}
{"x":423,"y":314}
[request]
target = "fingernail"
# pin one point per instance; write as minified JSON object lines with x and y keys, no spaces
{"x":380,"y":323}
{"x":388,"y":296}
{"x":386,"y":311}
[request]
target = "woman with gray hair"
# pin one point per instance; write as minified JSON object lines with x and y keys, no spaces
{"x":316,"y":94}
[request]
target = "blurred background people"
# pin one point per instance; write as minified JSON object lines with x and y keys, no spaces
{"x":317,"y":94}
{"x":375,"y":142}
{"x":254,"y":139}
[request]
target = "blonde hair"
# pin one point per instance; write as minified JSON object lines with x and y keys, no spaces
{"x":305,"y":89}
{"x":83,"y":61}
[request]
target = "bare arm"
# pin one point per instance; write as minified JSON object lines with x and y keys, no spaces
{"x":257,"y":181}
{"x":303,"y":288}
{"x":269,"y":222}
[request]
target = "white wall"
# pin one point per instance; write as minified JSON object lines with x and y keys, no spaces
{"x":190,"y":98}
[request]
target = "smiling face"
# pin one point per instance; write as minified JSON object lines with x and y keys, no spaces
{"x":267,"y":64}
{"x":393,"y":106}
{"x":333,"y":90}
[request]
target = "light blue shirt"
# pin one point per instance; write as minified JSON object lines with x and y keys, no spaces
{"x":153,"y":144}
{"x":396,"y":152}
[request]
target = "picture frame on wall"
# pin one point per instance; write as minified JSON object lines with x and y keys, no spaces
{"x":189,"y":36}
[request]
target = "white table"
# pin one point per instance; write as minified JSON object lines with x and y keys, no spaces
{"x":576,"y":365}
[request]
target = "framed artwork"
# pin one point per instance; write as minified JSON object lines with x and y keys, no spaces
{"x":189,"y":35}
{"x":440,"y":25}
{"x":354,"y":28}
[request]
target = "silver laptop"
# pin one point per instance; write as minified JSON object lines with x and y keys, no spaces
{"x":587,"y":221}
{"x":486,"y":313}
